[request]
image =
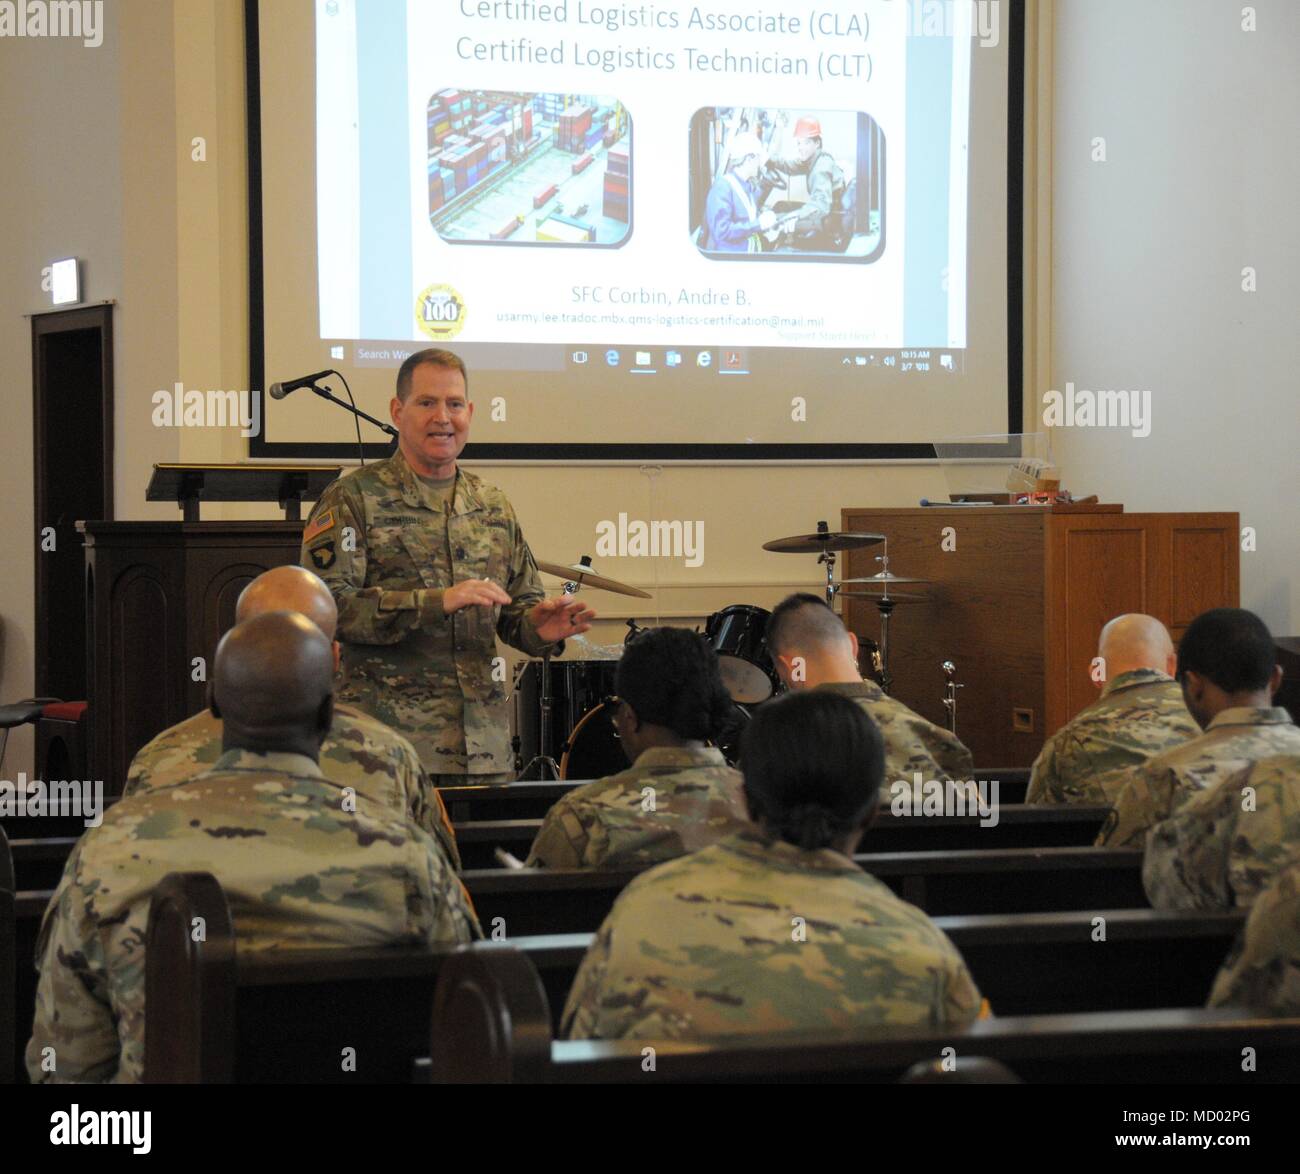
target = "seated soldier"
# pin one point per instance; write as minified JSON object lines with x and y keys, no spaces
{"x":359,"y":751}
{"x":680,"y":794}
{"x":813,"y":650}
{"x":775,"y":929}
{"x":1262,"y":971}
{"x":1140,"y":713}
{"x":304,"y":863}
{"x":1227,"y":667}
{"x":1225,"y":844}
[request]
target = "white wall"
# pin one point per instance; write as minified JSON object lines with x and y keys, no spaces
{"x":1201,"y":178}
{"x":61,"y":196}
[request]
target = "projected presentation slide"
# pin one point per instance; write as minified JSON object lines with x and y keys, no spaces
{"x":585,"y":199}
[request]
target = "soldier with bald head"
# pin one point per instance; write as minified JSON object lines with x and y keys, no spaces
{"x":359,"y":752}
{"x":304,"y":863}
{"x":1228,"y":670}
{"x":1140,"y":713}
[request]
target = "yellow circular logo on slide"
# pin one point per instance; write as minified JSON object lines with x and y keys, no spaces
{"x":440,"y":312}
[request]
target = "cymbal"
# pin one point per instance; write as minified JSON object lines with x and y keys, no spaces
{"x":588,"y":578}
{"x":816,"y":543}
{"x":885,"y":578}
{"x":892,"y":597}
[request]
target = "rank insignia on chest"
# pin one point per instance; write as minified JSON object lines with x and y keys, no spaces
{"x":322,"y":555}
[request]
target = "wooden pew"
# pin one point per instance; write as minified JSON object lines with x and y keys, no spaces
{"x":1006,"y":881}
{"x":1032,"y":963}
{"x":491,"y":1023}
{"x":1051,"y":963}
{"x":214,"y":1015}
{"x":294,"y":1013}
{"x":1019,"y":826}
{"x":8,"y":1003}
{"x":38,"y":863}
{"x":573,"y":902}
{"x":534,"y":800}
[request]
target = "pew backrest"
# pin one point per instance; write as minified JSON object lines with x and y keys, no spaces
{"x":488,"y":1026}
{"x":531,"y":901}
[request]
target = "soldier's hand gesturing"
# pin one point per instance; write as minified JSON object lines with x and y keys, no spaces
{"x":557,"y":619}
{"x":473,"y":592}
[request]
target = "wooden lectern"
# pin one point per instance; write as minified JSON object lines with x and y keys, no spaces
{"x":159,"y":595}
{"x":1017,"y":598}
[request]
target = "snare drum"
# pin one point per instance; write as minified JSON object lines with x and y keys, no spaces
{"x":739,"y":637}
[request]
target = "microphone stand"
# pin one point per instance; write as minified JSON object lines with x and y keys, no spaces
{"x":324,"y":393}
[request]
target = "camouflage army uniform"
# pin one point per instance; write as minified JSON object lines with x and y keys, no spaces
{"x":1088,"y":760}
{"x":697,"y":800}
{"x":386,"y":548}
{"x":911,"y":743}
{"x":1262,"y":971}
{"x":1224,"y":845}
{"x":754,"y":935}
{"x":299,"y":871}
{"x":825,"y":188}
{"x":358,"y":752}
{"x":1231,"y":742}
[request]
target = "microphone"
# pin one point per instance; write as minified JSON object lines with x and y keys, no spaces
{"x":280,"y":390}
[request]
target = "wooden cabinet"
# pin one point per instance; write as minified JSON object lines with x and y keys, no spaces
{"x":158,"y":595}
{"x":1017,"y":597}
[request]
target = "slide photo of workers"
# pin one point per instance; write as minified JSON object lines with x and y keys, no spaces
{"x":787,"y":184}
{"x":515,"y":168}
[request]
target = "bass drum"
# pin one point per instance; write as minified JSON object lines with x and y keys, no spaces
{"x":593,"y":749}
{"x":739,"y":637}
{"x":576,"y":686}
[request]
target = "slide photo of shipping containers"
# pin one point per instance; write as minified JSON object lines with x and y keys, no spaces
{"x":529,"y":169}
{"x":787,"y":184}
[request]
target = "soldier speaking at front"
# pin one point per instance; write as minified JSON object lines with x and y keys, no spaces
{"x":428,"y":565}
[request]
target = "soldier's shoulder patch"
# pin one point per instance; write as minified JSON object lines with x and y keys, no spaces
{"x":323,"y":522}
{"x":323,"y":555}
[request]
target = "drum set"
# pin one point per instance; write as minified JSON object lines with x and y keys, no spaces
{"x":573,"y":699}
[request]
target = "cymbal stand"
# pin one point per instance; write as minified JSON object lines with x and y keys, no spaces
{"x":547,"y":768}
{"x":885,"y":606}
{"x":828,"y":557}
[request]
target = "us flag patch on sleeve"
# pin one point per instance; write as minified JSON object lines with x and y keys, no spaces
{"x":319,"y":526}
